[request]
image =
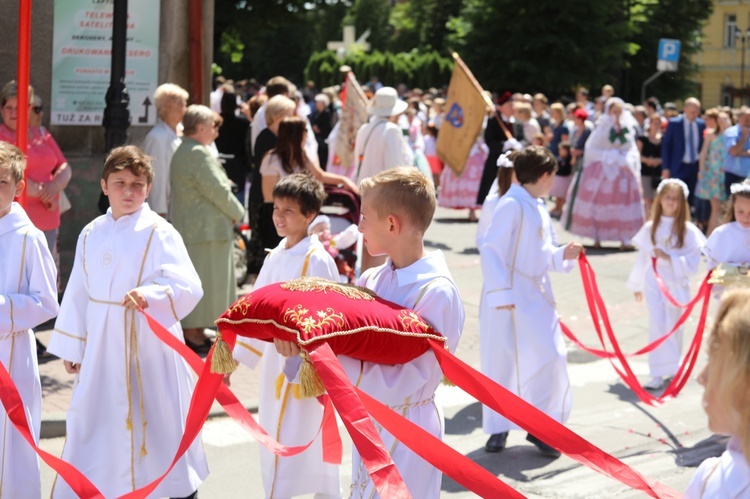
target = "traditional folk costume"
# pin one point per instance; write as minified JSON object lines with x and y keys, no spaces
{"x":291,"y":420}
{"x":28,"y":297}
{"x":460,"y":191}
{"x":724,"y":477}
{"x":604,"y":200}
{"x":127,"y":414}
{"x":665,"y":360}
{"x":523,"y":348}
{"x":427,"y":287}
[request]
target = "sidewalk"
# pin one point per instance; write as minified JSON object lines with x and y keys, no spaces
{"x":57,"y":388}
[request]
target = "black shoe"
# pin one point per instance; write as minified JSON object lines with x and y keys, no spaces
{"x":496,"y":442}
{"x":543,"y":448}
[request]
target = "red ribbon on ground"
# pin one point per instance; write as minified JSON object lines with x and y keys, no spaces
{"x":598,"y":309}
{"x":13,"y":405}
{"x":542,"y":426}
{"x":385,"y":476}
{"x":332,"y":446}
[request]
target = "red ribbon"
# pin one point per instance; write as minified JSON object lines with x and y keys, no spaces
{"x":542,"y":426}
{"x":597,"y":308}
{"x":665,"y":290}
{"x":385,"y":476}
{"x":13,"y":405}
{"x":332,"y":446}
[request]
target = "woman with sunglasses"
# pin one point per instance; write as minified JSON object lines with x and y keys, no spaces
{"x":47,"y":170}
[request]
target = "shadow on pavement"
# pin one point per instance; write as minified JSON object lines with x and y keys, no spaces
{"x":623,"y":393}
{"x":691,"y":457}
{"x":470,"y":251}
{"x":51,"y":385}
{"x":605,"y":250}
{"x":454,"y":220}
{"x":465,"y":421}
{"x":512,"y":463}
{"x":434,"y":245}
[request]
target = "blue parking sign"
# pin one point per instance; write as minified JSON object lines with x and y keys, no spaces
{"x":669,"y":50}
{"x":669,"y":55}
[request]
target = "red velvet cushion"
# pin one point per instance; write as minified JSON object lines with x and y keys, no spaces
{"x":352,"y":320}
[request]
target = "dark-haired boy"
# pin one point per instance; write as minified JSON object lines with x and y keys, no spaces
{"x":28,"y":297}
{"x":522,"y":347}
{"x":132,"y":392}
{"x":292,"y":420}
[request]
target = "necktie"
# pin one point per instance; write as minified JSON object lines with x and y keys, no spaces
{"x":691,"y":143}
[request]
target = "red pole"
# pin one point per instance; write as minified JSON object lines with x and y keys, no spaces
{"x":22,"y":80}
{"x":195,"y":45}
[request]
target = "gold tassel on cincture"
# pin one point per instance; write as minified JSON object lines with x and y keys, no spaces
{"x":309,"y":380}
{"x":222,"y":361}
{"x":447,"y":382}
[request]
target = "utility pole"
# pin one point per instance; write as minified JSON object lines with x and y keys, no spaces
{"x":116,"y":115}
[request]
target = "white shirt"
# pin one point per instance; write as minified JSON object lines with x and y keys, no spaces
{"x":160,"y":143}
{"x":259,"y":124}
{"x":382,"y":146}
{"x":724,"y":477}
{"x":728,"y":243}
{"x":687,"y":128}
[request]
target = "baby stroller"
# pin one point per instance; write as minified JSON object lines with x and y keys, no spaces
{"x":341,"y":212}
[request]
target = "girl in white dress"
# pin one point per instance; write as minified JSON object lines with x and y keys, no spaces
{"x":729,"y":244}
{"x":676,"y":244}
{"x":726,"y":400}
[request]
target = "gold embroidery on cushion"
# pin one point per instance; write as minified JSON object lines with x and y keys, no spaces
{"x":409,"y":319}
{"x":306,"y":321}
{"x":308,"y":284}
{"x":242,"y":305}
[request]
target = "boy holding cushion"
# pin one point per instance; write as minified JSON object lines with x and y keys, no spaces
{"x":286,"y":416}
{"x":28,"y":297}
{"x":397,"y":208}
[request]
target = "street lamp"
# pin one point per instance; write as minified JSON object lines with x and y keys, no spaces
{"x":743,"y":37}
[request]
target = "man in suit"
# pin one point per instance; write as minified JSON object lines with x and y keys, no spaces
{"x":498,"y":142}
{"x":682,"y":145}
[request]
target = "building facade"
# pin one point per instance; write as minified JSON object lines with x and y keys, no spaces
{"x":724,"y":78}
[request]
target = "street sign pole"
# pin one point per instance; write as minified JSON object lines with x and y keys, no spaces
{"x":647,"y":83}
{"x":668,"y":60}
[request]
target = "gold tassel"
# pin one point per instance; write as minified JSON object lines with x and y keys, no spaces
{"x":222,"y":361}
{"x":447,"y":382}
{"x":129,"y":424}
{"x":144,"y":452}
{"x":310,"y":383}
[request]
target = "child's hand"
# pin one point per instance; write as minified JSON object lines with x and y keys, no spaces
{"x":505,"y":307}
{"x":137,"y":296}
{"x":572,"y":251}
{"x":660,"y":254}
{"x":72,"y":367}
{"x":286,"y":348}
{"x":638,"y":296}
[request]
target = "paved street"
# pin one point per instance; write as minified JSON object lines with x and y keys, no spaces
{"x":663,"y":443}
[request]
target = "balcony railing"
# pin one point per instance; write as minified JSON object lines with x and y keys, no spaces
{"x":721,"y":58}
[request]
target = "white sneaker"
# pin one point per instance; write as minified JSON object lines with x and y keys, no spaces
{"x":655,"y":383}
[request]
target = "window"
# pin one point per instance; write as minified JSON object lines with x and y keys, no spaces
{"x":730,"y":31}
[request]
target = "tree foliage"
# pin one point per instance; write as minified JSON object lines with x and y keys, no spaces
{"x":541,"y":45}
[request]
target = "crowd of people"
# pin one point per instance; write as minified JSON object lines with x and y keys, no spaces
{"x":266,"y":153}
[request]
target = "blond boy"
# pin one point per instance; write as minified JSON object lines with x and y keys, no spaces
{"x":28,"y":297}
{"x":397,"y":208}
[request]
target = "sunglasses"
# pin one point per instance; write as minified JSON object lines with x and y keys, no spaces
{"x":37,"y":109}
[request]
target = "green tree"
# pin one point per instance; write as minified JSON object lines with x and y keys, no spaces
{"x":654,"y":19}
{"x":422,"y":24}
{"x":373,"y":15}
{"x":545,"y":45}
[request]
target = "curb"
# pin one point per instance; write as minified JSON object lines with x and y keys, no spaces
{"x":54,"y":424}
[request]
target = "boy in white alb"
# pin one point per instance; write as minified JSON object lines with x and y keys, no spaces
{"x":397,"y":208}
{"x":28,"y":297}
{"x":286,"y":416}
{"x":132,"y":392}
{"x":521,"y":342}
